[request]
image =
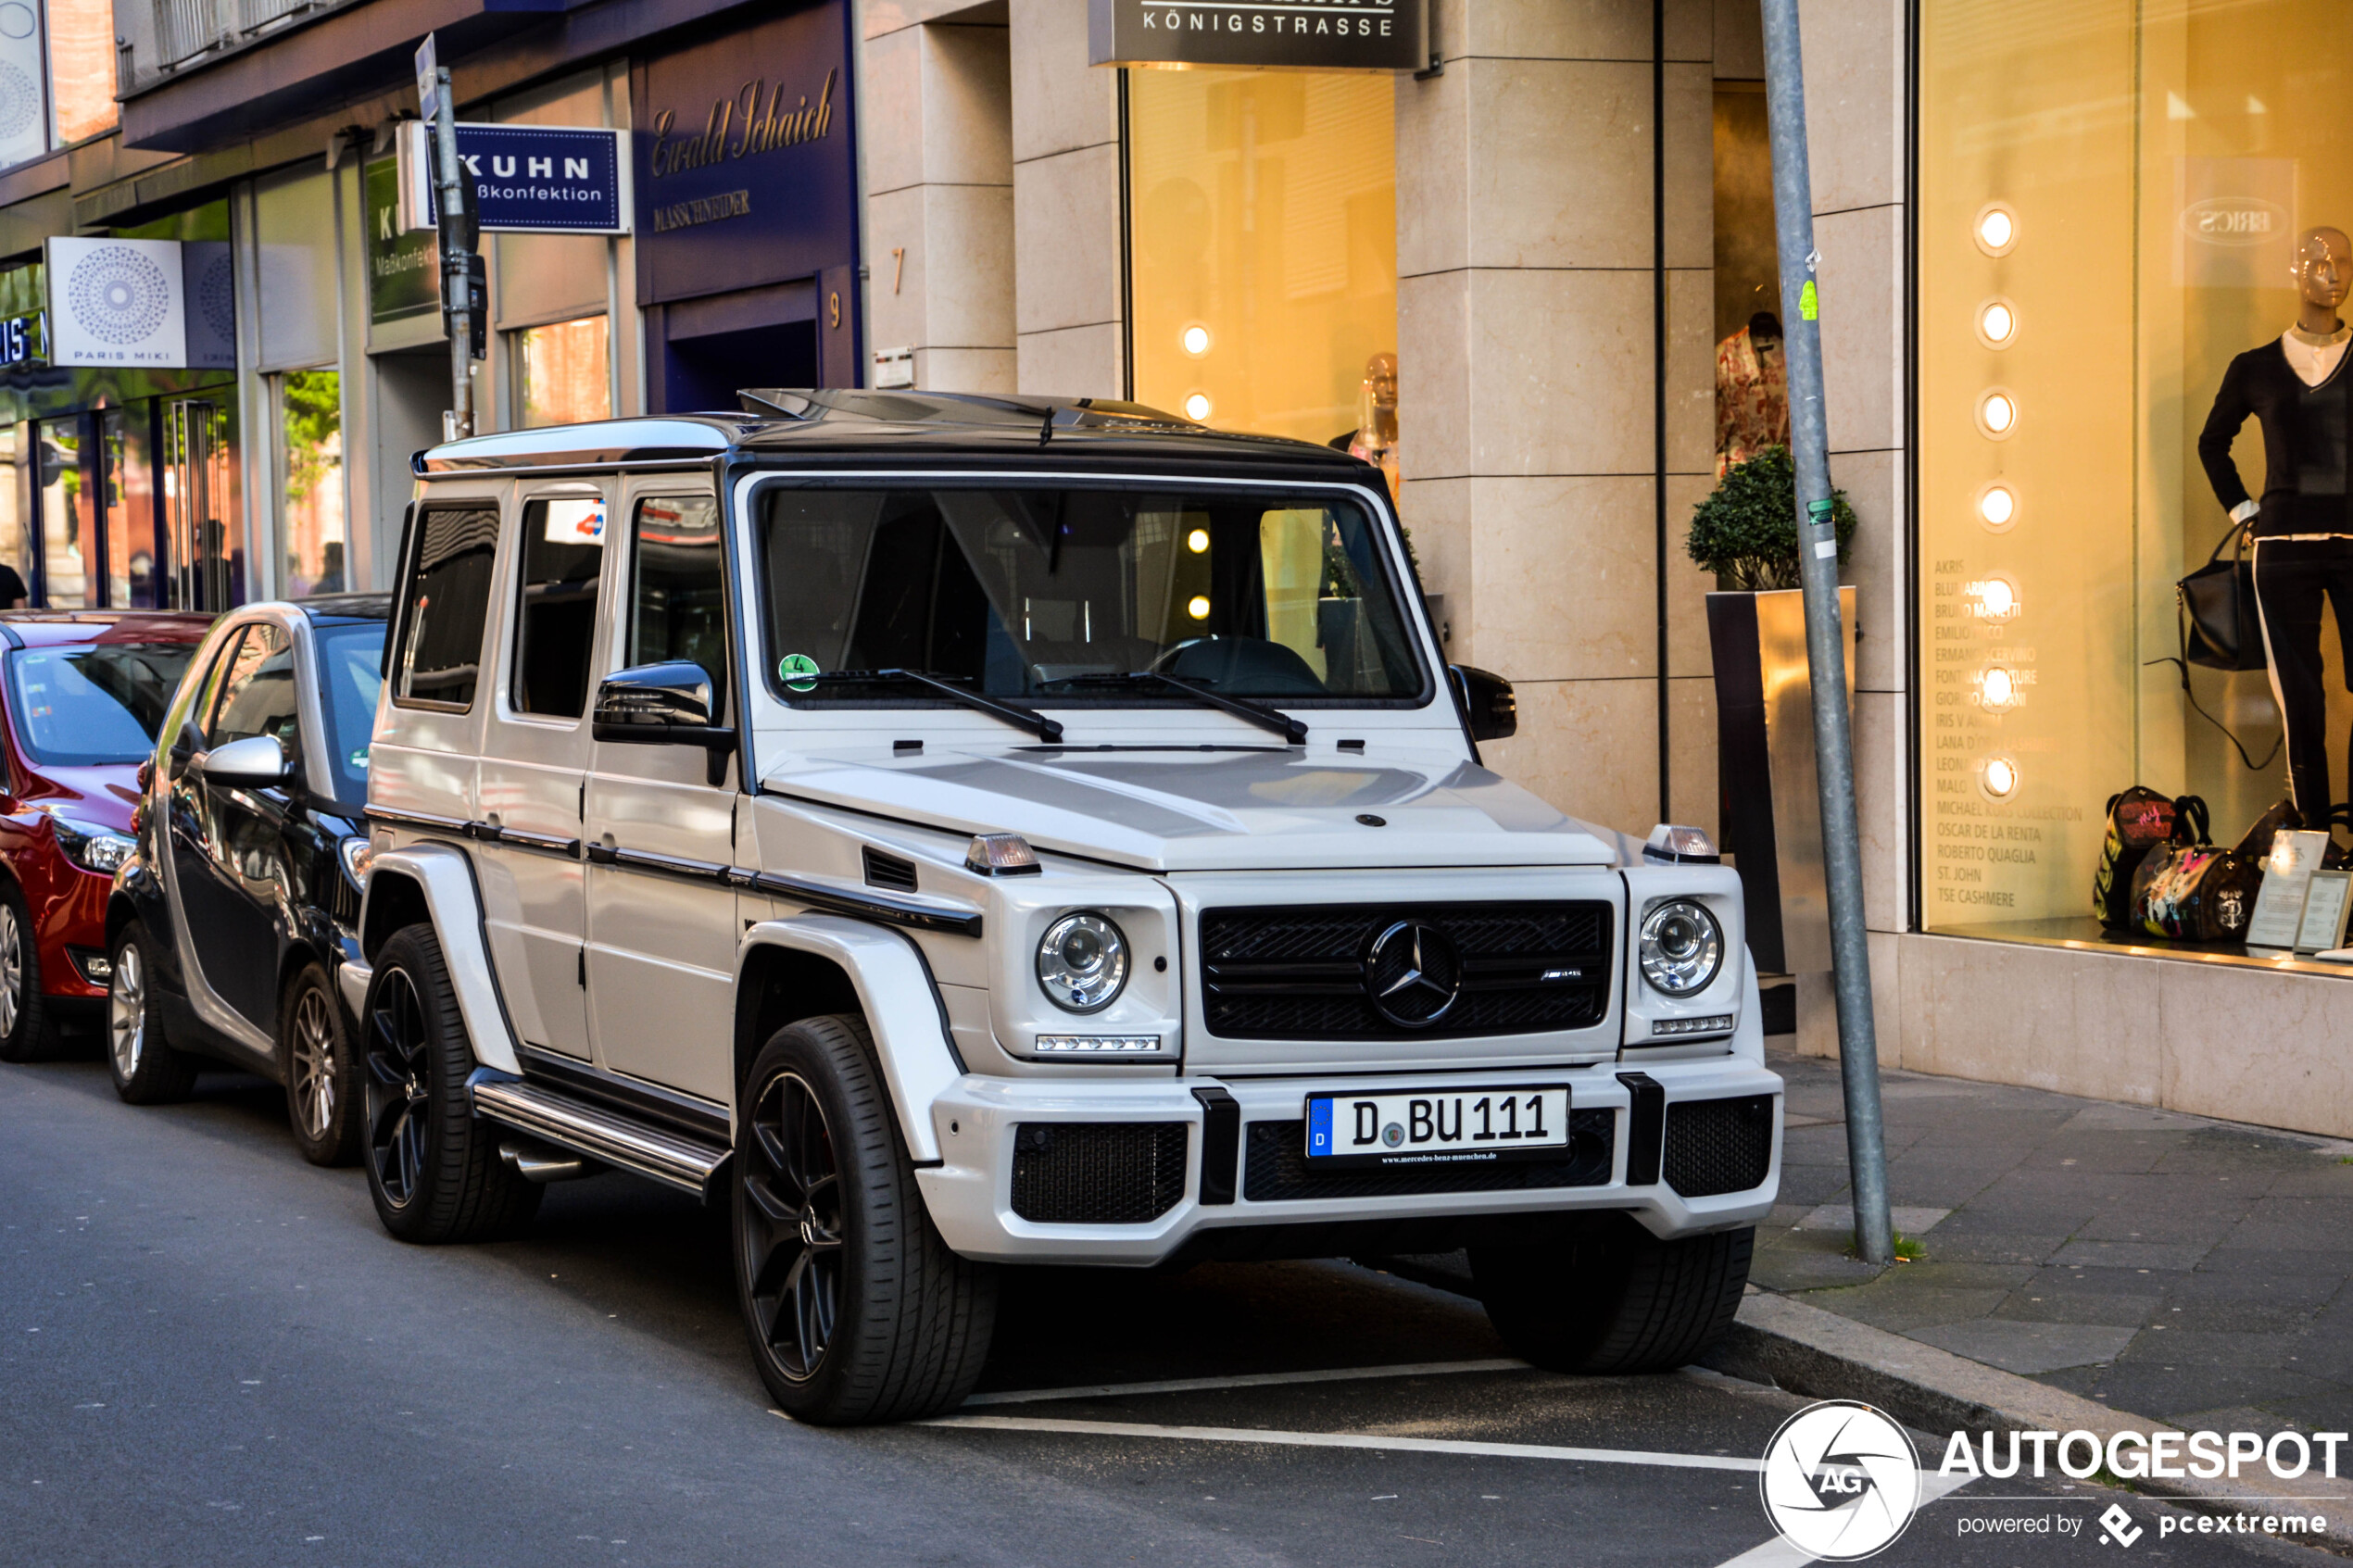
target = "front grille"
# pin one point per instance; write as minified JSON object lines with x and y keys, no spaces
{"x":1098,"y":1172}
{"x":1718,"y":1145}
{"x":1278,"y":1170}
{"x":1309,"y":973}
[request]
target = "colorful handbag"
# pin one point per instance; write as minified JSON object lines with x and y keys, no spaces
{"x":2192,"y":890}
{"x":2138,"y":821}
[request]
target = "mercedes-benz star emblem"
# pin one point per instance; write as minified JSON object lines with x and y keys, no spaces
{"x":1412,"y":974}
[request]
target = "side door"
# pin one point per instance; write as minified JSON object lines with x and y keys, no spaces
{"x":231,"y":869}
{"x":662,"y":918}
{"x":534,"y":764}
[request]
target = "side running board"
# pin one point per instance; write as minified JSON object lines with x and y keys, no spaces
{"x":600,"y":1133}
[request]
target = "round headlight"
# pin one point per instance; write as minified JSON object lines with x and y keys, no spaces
{"x":1681,"y":948}
{"x":1083,"y":962}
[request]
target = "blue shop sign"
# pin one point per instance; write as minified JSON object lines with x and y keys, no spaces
{"x":23,"y":341}
{"x":543,"y":179}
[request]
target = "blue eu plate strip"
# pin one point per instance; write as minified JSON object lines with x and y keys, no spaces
{"x":1320,"y":1127}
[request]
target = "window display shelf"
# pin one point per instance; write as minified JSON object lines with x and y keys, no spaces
{"x":2085,"y":934}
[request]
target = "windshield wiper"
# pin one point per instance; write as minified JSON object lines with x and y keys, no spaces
{"x":1047,"y":730}
{"x":1257,"y":713}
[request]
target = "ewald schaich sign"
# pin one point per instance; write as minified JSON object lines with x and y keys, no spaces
{"x":1300,"y":34}
{"x":527,"y":179}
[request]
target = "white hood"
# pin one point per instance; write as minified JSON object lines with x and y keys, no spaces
{"x":1184,"y":810}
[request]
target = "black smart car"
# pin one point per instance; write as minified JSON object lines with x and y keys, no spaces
{"x":241,"y":898}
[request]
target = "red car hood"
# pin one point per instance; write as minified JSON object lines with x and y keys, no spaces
{"x":101,"y":794}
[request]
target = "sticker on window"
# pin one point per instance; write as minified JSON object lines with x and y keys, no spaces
{"x":575,"y":519}
{"x":798,"y":672}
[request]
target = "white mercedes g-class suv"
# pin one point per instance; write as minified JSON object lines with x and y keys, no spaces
{"x":973,"y":832}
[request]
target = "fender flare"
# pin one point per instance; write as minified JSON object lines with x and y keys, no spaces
{"x":447,"y":880}
{"x":902,"y":1006}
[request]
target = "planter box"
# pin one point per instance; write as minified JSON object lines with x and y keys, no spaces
{"x":1769,"y":797}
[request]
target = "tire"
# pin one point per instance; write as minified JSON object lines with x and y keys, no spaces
{"x":433,"y":1168}
{"x":320,"y":1069}
{"x":146,"y":1070}
{"x":1617,"y":1299}
{"x":26,"y":1031}
{"x":855,"y":1310}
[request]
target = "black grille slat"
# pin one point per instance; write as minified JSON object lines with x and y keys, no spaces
{"x":1718,"y":1145}
{"x":1290,"y":974}
{"x":888,"y":870}
{"x":1098,"y":1172}
{"x":1275,"y":1170}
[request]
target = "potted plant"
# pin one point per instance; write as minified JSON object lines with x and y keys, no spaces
{"x":1768,"y":802}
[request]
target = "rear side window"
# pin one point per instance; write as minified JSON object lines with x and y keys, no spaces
{"x":563,"y":551}
{"x":678,"y":589}
{"x":444,"y":603}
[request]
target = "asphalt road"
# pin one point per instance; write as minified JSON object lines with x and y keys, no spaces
{"x":211,"y":1354}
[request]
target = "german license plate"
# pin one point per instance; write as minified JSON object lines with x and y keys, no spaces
{"x":1436,"y":1126}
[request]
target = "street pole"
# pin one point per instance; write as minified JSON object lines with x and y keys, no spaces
{"x":457,"y":262}
{"x":1825,"y":642}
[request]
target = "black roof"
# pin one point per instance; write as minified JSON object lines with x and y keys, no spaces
{"x":348,"y":607}
{"x":921,"y":426}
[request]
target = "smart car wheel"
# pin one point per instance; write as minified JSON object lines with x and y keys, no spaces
{"x":319,"y":1069}
{"x":25,"y":1035}
{"x":1616,"y":1300}
{"x":857,"y":1309}
{"x":146,"y":1070}
{"x":433,"y":1168}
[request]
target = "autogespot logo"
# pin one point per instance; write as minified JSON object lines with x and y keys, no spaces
{"x":1841,"y":1481}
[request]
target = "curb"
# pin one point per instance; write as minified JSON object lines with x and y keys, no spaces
{"x":1807,"y":1350}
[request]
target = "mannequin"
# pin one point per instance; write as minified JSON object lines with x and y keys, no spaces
{"x":1375,"y":436}
{"x":1752,"y":393}
{"x":2296,"y":387}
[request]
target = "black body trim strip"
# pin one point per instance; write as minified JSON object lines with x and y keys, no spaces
{"x":1646,"y":1128}
{"x":868,"y":904}
{"x":695,"y":1118}
{"x":1221,"y":1144}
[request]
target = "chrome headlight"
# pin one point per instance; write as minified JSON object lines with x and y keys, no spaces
{"x":1682,"y":948}
{"x":358,"y":856}
{"x":1082,"y":963}
{"x":92,"y":848}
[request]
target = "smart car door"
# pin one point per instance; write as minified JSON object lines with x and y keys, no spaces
{"x":662,"y":917}
{"x":234,"y":880}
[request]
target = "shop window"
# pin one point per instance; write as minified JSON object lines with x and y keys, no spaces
{"x":310,"y":521}
{"x":562,"y":373}
{"x":2132,"y":259}
{"x":81,"y":66}
{"x":1263,"y":243}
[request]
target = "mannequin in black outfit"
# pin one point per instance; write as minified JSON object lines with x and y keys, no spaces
{"x":2296,"y":387}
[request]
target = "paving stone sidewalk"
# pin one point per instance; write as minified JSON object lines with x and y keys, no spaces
{"x":2171,"y":1266}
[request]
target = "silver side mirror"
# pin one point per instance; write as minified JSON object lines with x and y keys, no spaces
{"x":257,"y":762}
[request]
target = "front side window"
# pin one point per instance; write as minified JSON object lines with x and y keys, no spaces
{"x":564,"y":553}
{"x":443,"y":606}
{"x":104,"y":703}
{"x":257,"y":695}
{"x":1073,"y":594}
{"x":678,"y":589}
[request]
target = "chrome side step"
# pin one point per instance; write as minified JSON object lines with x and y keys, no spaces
{"x":593,"y":1130}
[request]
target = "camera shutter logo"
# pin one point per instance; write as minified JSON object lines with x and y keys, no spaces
{"x":118,"y":296}
{"x":1841,"y":1481}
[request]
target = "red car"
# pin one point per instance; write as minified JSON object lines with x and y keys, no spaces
{"x":83,"y":693}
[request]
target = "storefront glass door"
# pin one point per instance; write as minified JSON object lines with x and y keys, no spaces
{"x":200,"y":505}
{"x":111,"y":537}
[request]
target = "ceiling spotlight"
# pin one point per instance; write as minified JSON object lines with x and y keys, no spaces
{"x":1997,"y":323}
{"x":1196,"y":340}
{"x":2000,"y":776}
{"x":1997,"y":507}
{"x":1996,"y":687}
{"x":1198,"y":541}
{"x":1996,"y":414}
{"x":1198,"y":607}
{"x":1997,"y":601}
{"x":1197,"y":406}
{"x":1996,"y":229}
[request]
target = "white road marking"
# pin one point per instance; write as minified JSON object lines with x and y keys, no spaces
{"x":1343,"y":1440}
{"x":1779,"y":1553}
{"x":1245,"y":1380}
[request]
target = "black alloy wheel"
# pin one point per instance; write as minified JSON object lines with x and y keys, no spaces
{"x":433,"y":1169}
{"x":793,"y":1226}
{"x":399,"y":1095}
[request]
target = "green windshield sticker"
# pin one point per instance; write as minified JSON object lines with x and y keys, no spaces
{"x":360,"y":758}
{"x":798,"y":671}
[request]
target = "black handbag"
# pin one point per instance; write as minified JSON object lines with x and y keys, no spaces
{"x":2219,"y":625}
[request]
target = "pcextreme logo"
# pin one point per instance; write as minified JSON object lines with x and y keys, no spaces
{"x":1841,"y":1481}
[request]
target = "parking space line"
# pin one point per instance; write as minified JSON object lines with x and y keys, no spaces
{"x":1243,"y":1380}
{"x":1344,"y":1440}
{"x":1779,"y":1553}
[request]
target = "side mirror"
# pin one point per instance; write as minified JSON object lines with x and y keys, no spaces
{"x":257,"y":762}
{"x":666,"y":704}
{"x":1487,"y":703}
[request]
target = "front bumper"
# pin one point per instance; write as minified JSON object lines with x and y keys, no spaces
{"x":971,"y":1193}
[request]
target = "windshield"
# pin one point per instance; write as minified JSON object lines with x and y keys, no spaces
{"x":102,"y":703}
{"x":350,"y":670}
{"x":1060,"y":593}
